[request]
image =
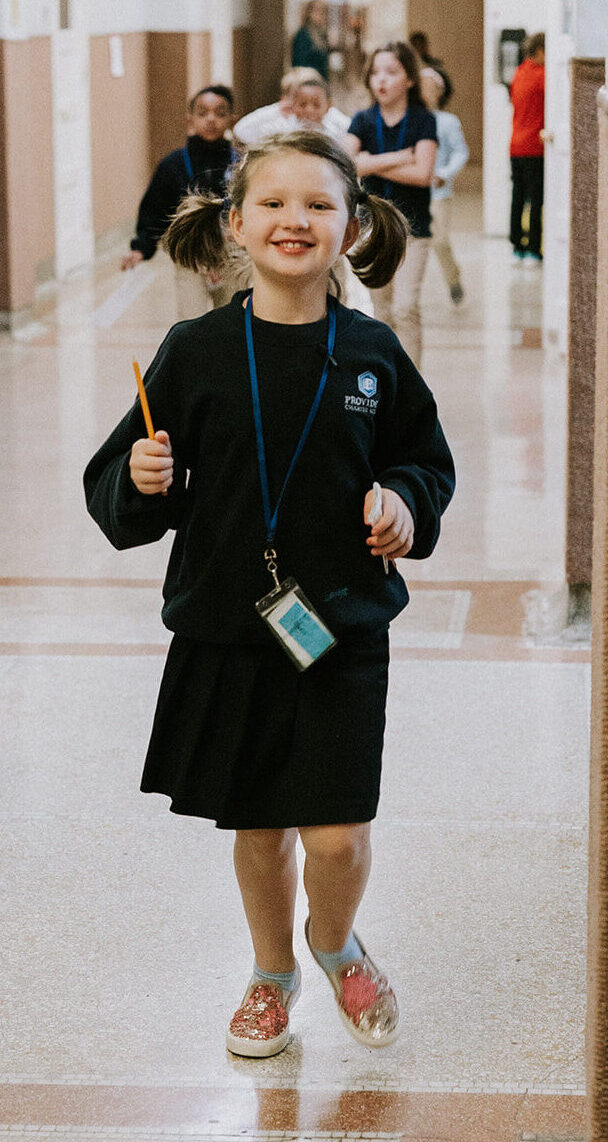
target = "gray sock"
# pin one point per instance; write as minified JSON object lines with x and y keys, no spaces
{"x":285,"y":979}
{"x":330,"y":961}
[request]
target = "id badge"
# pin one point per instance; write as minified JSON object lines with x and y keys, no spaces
{"x":296,"y":624}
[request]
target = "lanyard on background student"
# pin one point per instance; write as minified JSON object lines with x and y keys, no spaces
{"x":382,"y":146}
{"x":271,"y":516}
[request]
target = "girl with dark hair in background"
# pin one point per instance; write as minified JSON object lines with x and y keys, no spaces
{"x":394,"y":145}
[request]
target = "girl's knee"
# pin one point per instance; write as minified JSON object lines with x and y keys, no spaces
{"x":269,"y":843}
{"x":337,"y":844}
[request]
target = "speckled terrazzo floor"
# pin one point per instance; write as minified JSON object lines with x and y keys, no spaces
{"x":124,"y":943}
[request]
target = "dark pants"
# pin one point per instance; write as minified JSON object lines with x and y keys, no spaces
{"x":527,"y":177}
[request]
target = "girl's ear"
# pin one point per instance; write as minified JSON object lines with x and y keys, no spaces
{"x":235,"y":221}
{"x":350,"y":234}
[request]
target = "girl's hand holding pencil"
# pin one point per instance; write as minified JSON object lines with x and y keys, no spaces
{"x":151,"y":462}
{"x":392,"y":534}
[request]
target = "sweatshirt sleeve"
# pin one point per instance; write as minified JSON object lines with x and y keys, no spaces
{"x":159,"y":202}
{"x":126,"y":516}
{"x":415,"y":460}
{"x":457,"y":151}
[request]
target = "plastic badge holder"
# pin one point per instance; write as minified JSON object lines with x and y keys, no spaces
{"x":295,"y":623}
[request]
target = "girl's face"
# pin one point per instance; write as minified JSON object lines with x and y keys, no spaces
{"x":294,"y":221}
{"x":389,"y":82}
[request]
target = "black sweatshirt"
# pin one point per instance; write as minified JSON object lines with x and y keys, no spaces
{"x":199,"y":392}
{"x":170,"y":182}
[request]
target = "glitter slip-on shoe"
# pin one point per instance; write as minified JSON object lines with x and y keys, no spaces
{"x":366,"y":1001}
{"x":260,"y":1026}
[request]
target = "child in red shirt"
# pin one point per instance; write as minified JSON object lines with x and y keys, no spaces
{"x":527,"y":162}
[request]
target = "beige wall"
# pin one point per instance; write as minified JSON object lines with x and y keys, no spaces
{"x":119,"y":132}
{"x":26,"y":170}
{"x":135,"y":120}
{"x":179,"y":63}
{"x":455,"y":34}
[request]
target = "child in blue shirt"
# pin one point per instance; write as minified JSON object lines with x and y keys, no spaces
{"x":452,"y":154}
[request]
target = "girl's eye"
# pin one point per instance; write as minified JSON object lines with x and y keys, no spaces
{"x":273,"y":203}
{"x":320,"y":206}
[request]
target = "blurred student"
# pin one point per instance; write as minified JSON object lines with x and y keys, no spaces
{"x":201,"y":165}
{"x":420,"y":43}
{"x":527,"y":150}
{"x":394,"y":145}
{"x":310,"y":46}
{"x":313,"y":103}
{"x":312,"y":108}
{"x":452,"y":154}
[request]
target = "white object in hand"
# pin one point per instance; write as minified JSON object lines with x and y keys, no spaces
{"x":376,"y":513}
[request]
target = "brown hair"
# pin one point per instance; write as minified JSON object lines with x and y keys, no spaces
{"x":410,"y":62}
{"x":534,"y":44}
{"x":196,"y":235}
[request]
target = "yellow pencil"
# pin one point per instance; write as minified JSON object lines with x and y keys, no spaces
{"x":145,"y":407}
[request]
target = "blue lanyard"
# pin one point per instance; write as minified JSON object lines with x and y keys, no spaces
{"x":382,"y":147}
{"x":188,"y":162}
{"x":271,"y":517}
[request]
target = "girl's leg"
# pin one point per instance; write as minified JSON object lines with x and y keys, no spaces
{"x":407,"y":286}
{"x":265,"y":864}
{"x":338,"y":860}
{"x":382,"y":300}
{"x":193,"y":297}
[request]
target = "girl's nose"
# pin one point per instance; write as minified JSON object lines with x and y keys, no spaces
{"x":294,"y":214}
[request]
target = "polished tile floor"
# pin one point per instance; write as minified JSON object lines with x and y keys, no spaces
{"x":124,"y":945}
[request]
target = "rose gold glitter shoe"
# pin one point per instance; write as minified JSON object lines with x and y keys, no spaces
{"x":260,"y":1026}
{"x":366,"y":1001}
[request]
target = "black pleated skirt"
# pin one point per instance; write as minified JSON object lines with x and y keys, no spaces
{"x":239,"y":736}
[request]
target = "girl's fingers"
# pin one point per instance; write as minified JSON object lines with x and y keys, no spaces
{"x":390,"y":543}
{"x":153,"y":463}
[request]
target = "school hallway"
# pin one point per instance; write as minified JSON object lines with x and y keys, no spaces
{"x":125,"y":946}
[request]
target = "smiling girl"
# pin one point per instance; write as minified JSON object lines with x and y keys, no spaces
{"x":394,"y":144}
{"x":285,"y":408}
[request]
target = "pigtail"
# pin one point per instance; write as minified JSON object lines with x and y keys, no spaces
{"x":195,"y":236}
{"x":381,"y":249}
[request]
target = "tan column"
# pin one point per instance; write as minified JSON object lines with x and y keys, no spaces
{"x":27,"y":226}
{"x":597,"y":1020}
{"x":267,"y":50}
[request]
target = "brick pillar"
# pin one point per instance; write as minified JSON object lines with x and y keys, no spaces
{"x":597,"y":992}
{"x":587,"y":78}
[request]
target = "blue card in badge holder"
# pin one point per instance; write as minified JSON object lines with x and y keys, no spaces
{"x":295,"y":624}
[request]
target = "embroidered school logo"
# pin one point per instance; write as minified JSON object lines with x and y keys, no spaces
{"x":364,"y":401}
{"x":368,"y":384}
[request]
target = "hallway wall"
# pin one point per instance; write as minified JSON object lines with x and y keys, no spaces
{"x":455,"y":34}
{"x":168,"y":52}
{"x":26,"y":167}
{"x":119,"y":130}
